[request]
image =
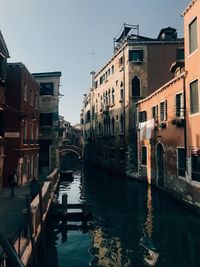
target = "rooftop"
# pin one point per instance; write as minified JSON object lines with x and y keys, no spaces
{"x":47,"y":74}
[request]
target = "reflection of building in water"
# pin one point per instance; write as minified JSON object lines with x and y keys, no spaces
{"x":149,"y":220}
{"x":109,"y":251}
{"x":150,"y":255}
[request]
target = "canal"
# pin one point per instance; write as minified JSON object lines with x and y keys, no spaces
{"x":132,"y":225}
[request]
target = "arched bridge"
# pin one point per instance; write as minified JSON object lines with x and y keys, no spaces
{"x":70,"y":148}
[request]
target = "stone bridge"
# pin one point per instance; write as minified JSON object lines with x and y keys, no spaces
{"x":70,"y":148}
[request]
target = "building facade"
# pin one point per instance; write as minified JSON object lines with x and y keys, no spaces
{"x":139,"y":66}
{"x":21,"y":124}
{"x":4,"y":54}
{"x":192,"y":58}
{"x":161,"y":136}
{"x":49,"y":121}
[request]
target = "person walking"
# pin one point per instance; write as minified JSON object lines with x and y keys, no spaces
{"x":34,"y":188}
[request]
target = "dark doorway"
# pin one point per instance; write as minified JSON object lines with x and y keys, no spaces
{"x":160,"y":165}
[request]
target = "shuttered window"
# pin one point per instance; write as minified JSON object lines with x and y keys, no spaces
{"x":179,"y":106}
{"x":155,"y":112}
{"x":142,"y":116}
{"x":194,"y":97}
{"x":193,"y":41}
{"x":163,"y":111}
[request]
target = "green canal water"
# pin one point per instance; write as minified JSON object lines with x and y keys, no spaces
{"x":133,"y":225}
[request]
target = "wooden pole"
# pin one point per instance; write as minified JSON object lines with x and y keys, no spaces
{"x":64,"y":204}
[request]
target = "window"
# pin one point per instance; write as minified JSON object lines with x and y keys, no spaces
{"x":46,"y":119}
{"x":96,"y":84}
{"x":25,"y":91}
{"x":31,"y":134}
{"x":120,"y":62}
{"x":135,"y":87}
{"x":121,"y":123}
{"x":181,"y":161}
{"x":179,"y":107}
{"x":36,"y":134}
{"x":136,"y":55}
{"x":25,"y":165}
{"x":87,"y":119}
{"x":36,"y":101}
{"x":142,"y":116}
{"x":155,"y":112}
{"x":194,"y":97}
{"x":31,"y":97}
{"x":144,"y":155}
{"x":180,"y":54}
{"x":46,"y":88}
{"x":121,"y":94}
{"x":193,"y":42}
{"x":25,"y":132}
{"x":113,"y":96}
{"x":195,"y":158}
{"x":109,"y":97}
{"x":93,"y":112}
{"x":106,"y":98}
{"x":163,"y":111}
{"x":112,"y":69}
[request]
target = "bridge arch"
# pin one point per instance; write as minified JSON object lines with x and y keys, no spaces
{"x":70,"y":148}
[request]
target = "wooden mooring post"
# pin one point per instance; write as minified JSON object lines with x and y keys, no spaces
{"x":64,"y":204}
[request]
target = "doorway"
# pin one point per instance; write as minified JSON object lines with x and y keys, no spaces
{"x":160,"y":165}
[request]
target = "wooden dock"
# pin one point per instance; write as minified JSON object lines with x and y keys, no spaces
{"x":72,"y":212}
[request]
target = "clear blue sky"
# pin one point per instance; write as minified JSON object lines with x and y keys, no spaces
{"x":60,"y":35}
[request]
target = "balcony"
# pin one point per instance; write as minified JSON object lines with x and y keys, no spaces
{"x":179,"y":122}
{"x":162,"y":125}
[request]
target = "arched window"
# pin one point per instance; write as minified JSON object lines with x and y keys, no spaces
{"x":135,"y":86}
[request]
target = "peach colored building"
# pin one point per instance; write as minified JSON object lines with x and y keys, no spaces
{"x":161,"y":134}
{"x":169,"y":147}
{"x":192,"y":65}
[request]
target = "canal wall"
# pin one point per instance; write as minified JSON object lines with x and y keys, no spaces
{"x":39,"y":212}
{"x":181,"y":189}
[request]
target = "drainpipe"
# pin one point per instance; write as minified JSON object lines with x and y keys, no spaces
{"x":185,"y":122}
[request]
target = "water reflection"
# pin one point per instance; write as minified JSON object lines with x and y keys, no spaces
{"x":133,"y":225}
{"x":150,"y":255}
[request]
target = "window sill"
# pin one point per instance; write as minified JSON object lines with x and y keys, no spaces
{"x":136,"y":61}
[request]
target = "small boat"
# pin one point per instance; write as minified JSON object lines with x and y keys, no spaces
{"x":151,"y":257}
{"x":66,"y":175}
